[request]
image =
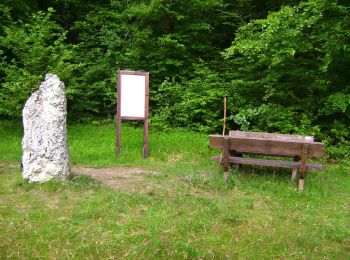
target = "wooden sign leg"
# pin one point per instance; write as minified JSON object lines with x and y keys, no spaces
{"x":119,"y":116}
{"x":145,"y":139}
{"x":119,"y":129}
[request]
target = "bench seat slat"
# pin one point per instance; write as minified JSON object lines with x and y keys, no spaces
{"x":264,"y":154}
{"x":270,"y":163}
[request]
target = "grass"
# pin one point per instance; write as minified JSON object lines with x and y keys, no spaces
{"x":185,"y":211}
{"x":163,"y":148}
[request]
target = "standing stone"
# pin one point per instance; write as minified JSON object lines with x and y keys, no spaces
{"x":45,"y":148}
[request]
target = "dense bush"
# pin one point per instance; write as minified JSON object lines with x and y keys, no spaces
{"x":195,"y":103}
{"x":282,"y":64}
{"x":293,"y":71}
{"x":28,"y":50}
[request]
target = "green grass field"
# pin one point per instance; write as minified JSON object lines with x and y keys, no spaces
{"x":184,"y":211}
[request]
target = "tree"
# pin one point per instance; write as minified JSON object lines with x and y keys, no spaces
{"x":292,"y":70}
{"x":28,"y":51}
{"x":167,"y":38}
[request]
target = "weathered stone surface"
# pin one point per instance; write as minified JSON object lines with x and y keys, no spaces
{"x":44,"y":144}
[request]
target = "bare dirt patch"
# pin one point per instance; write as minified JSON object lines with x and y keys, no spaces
{"x":123,"y":178}
{"x":10,"y":165}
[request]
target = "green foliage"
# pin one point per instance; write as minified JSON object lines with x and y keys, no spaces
{"x":28,"y":51}
{"x":286,"y":70}
{"x":196,"y":103}
{"x":293,"y":70}
{"x":5,"y":17}
{"x":166,"y":38}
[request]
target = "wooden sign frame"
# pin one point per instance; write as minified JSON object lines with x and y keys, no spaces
{"x":121,"y":117}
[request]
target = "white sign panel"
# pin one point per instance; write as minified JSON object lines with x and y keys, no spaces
{"x":133,"y":92}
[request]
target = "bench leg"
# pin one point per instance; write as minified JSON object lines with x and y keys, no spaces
{"x":238,"y":166}
{"x":294,"y":175}
{"x":295,"y":171}
{"x":226,"y":158}
{"x":303,"y":167}
{"x":226,"y":175}
{"x":235,"y":154}
{"x":301,"y":185}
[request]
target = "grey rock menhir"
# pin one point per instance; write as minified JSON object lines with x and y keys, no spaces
{"x":44,"y":144}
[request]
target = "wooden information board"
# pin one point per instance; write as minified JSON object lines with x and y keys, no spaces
{"x":132,"y":102}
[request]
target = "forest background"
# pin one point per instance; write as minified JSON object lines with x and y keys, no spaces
{"x":283,"y":64}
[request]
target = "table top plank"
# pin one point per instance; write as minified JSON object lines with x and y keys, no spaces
{"x":267,"y":146}
{"x":270,"y":136}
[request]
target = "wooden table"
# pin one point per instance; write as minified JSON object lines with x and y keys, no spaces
{"x":239,"y":143}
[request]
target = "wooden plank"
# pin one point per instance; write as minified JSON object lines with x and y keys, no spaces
{"x":303,"y":166}
{"x":301,"y":184}
{"x":226,"y":154}
{"x":271,"y":163}
{"x":145,"y":138}
{"x":303,"y":160}
{"x":271,"y":136}
{"x":119,"y":118}
{"x":235,"y":154}
{"x":264,"y":154}
{"x":272,"y":147}
{"x":145,"y":123}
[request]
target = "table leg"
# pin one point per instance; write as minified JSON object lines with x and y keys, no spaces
{"x":295,"y":170}
{"x":236,"y":154}
{"x":294,"y":175}
{"x":303,"y":167}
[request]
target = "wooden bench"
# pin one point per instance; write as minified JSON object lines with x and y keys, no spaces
{"x":238,"y":143}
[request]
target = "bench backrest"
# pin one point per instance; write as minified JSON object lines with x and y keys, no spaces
{"x":270,"y":136}
{"x":268,"y":146}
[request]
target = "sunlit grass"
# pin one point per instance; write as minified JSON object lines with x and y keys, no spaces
{"x":184,"y":211}
{"x":95,"y":146}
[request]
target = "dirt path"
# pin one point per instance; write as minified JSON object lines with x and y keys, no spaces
{"x":124,"y":178}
